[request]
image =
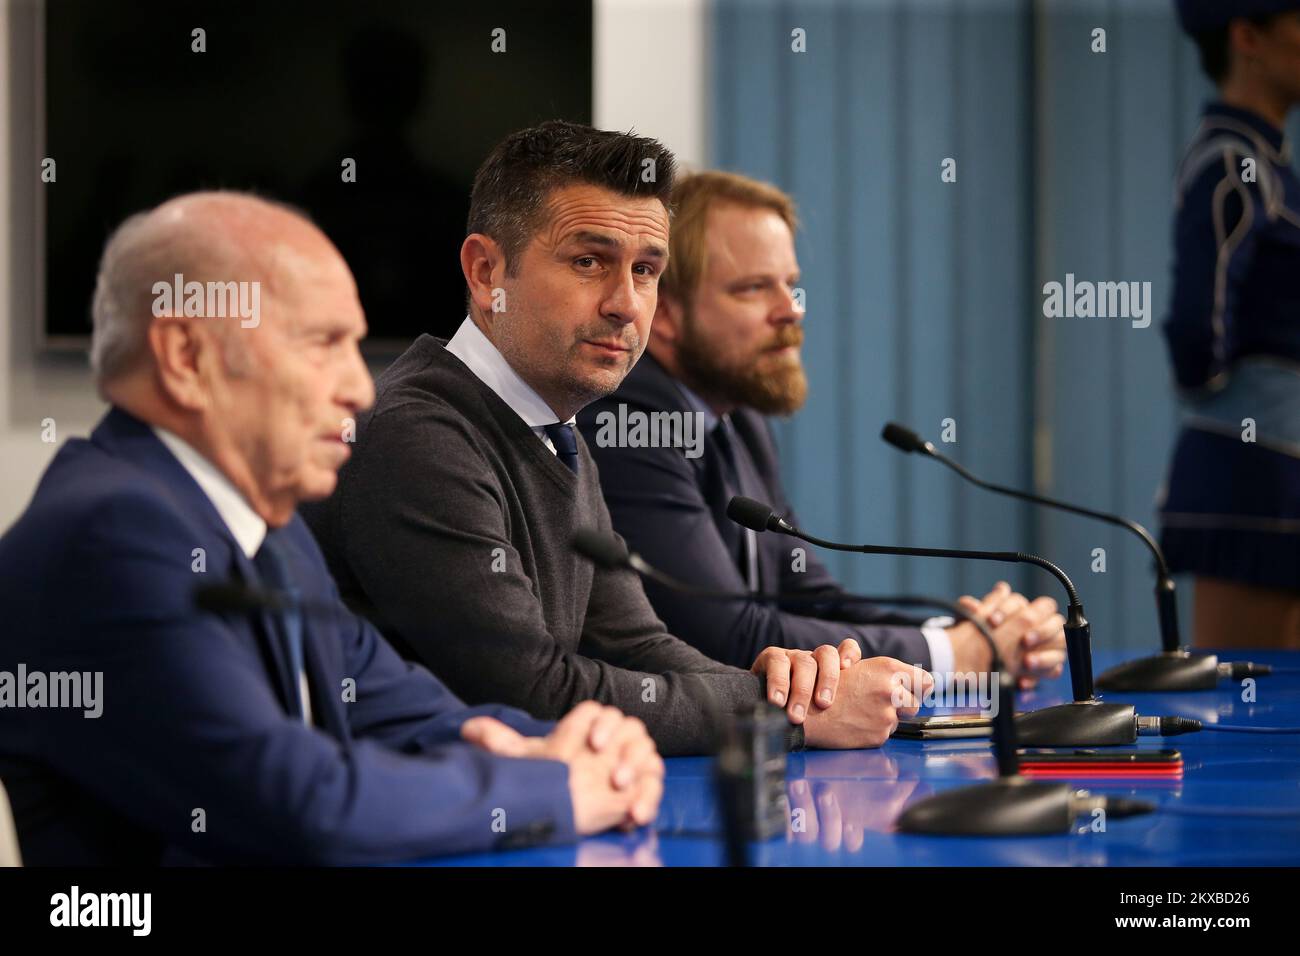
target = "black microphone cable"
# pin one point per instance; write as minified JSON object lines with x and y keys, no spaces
{"x":908,"y":442}
{"x":1246,"y":729}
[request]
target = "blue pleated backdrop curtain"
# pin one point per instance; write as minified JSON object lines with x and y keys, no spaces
{"x":925,"y":298}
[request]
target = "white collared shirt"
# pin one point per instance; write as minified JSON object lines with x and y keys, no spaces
{"x":476,"y":350}
{"x":246,"y":526}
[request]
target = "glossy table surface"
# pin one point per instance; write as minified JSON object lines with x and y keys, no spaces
{"x":851,"y":798}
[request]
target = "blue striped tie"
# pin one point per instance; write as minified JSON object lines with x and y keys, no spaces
{"x":566,"y":444}
{"x":274,"y":570}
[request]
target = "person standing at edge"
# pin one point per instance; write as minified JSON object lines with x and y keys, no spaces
{"x":1231,"y":510}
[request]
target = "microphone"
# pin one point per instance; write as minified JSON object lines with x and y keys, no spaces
{"x":609,"y":551}
{"x":904,"y":439}
{"x":1087,"y":722}
{"x":232,"y":597}
{"x":759,"y":517}
{"x":1175,"y":668}
{"x":755,"y":515}
{"x":750,"y":768}
{"x":602,"y":550}
{"x":1009,"y":805}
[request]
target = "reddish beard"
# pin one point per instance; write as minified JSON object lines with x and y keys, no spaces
{"x":769,"y":383}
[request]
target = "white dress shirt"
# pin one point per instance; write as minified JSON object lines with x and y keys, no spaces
{"x":476,"y":350}
{"x":472,"y":347}
{"x":245,"y":525}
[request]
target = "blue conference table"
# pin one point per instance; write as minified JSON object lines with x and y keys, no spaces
{"x":851,"y":798}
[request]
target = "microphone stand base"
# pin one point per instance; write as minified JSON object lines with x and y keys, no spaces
{"x":1079,"y":724}
{"x":1008,"y":806}
{"x":1168,"y":671}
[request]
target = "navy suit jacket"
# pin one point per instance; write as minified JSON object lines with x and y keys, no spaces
{"x":99,"y":574}
{"x":672,"y":509}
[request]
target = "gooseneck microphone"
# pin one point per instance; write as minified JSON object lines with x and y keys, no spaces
{"x":609,"y":551}
{"x":1174,"y":669}
{"x":1010,"y":805}
{"x":1087,"y":722}
{"x":233,"y":597}
{"x":758,"y":516}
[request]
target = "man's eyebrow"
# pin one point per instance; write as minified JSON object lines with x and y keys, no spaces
{"x":329,"y":326}
{"x":765,"y":277}
{"x":586,"y":237}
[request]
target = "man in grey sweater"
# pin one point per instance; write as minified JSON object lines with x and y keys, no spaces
{"x":452,"y":525}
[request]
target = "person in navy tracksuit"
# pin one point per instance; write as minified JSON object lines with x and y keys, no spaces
{"x":1231,"y":509}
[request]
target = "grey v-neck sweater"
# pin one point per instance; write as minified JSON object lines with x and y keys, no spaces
{"x":451,"y":530}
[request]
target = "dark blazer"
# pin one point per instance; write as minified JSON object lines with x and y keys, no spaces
{"x":98,"y":576}
{"x":672,"y":509}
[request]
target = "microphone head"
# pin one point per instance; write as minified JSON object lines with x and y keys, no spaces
{"x":904,"y":439}
{"x":231,"y":598}
{"x":601,"y":549}
{"x":751,"y":514}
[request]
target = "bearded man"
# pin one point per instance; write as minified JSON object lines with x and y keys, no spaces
{"x":724,"y":352}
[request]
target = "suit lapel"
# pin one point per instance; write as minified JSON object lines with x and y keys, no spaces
{"x":326,"y":701}
{"x":125,"y":436}
{"x":322,"y":666}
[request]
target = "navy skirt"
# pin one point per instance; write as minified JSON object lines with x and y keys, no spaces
{"x":1232,"y":510}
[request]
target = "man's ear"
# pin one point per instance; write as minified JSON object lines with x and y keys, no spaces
{"x":666,"y":328}
{"x":181,"y":356}
{"x":1244,"y":37}
{"x":483,"y":264}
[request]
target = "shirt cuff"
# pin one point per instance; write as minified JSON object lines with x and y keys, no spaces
{"x":941,"y":653}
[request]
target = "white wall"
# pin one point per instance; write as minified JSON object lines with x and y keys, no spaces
{"x":650,"y":72}
{"x":33,"y":386}
{"x":634,"y":40}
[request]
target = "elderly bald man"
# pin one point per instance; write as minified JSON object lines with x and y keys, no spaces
{"x":143,"y":729}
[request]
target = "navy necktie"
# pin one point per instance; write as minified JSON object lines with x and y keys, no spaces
{"x":728,"y":441}
{"x":273,"y":568}
{"x":566,"y":444}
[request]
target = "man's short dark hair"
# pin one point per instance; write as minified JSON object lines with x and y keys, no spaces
{"x":514,"y":184}
{"x":1213,"y":46}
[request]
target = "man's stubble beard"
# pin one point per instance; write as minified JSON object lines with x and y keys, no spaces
{"x":774,"y":391}
{"x":564,"y":378}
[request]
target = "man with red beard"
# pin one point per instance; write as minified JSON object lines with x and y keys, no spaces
{"x":723,"y":353}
